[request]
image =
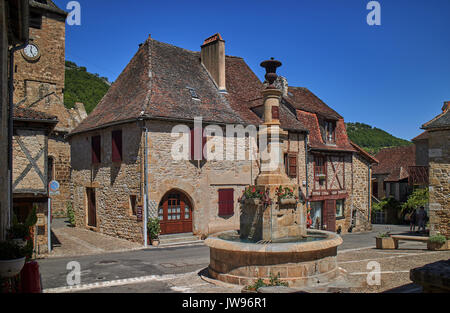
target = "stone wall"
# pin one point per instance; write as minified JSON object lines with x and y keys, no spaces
{"x":113,"y":182}
{"x":439,"y":156}
{"x":4,"y":205}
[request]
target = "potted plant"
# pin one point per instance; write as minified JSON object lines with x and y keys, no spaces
{"x":385,"y":241}
{"x":154,"y":229}
{"x":286,"y":196}
{"x":438,"y":242}
{"x":12,"y":259}
{"x":252,"y":196}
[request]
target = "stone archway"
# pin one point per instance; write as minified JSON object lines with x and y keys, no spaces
{"x":175,"y":212}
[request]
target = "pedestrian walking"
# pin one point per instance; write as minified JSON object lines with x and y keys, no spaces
{"x":412,"y":220}
{"x":421,"y":219}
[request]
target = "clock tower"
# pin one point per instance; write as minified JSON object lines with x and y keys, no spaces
{"x":39,"y":72}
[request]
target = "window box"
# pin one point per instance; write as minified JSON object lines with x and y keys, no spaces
{"x":288,"y":201}
{"x":252,"y":201}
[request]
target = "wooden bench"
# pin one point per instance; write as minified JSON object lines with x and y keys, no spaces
{"x":397,"y":238}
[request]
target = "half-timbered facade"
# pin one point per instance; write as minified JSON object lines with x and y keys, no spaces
{"x":31,"y":172}
{"x":123,"y":152}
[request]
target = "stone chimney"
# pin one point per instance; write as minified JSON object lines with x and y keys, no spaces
{"x":446,"y":106}
{"x":213,"y":58}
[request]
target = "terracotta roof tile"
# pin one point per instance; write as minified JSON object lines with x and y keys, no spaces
{"x":21,"y":113}
{"x":395,"y":162}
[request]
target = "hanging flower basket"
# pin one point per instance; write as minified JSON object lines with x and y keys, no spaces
{"x":291,"y":201}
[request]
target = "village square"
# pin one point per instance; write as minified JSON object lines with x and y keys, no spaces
{"x":200,"y":172}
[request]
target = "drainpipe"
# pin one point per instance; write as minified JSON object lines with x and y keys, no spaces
{"x":145,"y":188}
{"x":307,"y":174}
{"x":11,"y":126}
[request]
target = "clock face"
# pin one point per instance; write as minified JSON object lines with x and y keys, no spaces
{"x":31,"y":52}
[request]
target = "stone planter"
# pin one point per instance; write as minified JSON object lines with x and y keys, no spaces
{"x":11,"y":268}
{"x":289,"y":202}
{"x":246,"y":290}
{"x":252,"y":201}
{"x":386,"y":243}
{"x":155,"y":242}
{"x":436,"y":246}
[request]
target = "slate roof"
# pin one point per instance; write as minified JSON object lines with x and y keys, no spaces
{"x":440,"y":121}
{"x":155,"y":85}
{"x":395,"y":162}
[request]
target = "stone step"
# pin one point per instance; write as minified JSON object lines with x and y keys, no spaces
{"x":178,"y":239}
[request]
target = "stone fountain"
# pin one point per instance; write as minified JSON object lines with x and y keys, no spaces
{"x":273,"y":239}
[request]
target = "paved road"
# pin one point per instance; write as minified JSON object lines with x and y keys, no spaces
{"x":173,"y":269}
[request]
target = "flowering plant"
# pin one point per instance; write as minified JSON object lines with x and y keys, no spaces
{"x":253,"y":193}
{"x":285,"y":193}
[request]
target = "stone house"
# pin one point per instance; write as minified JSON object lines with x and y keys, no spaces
{"x":31,"y":171}
{"x":123,"y":151}
{"x":391,"y":175}
{"x":14,"y":16}
{"x":39,"y":85}
{"x":438,"y":133}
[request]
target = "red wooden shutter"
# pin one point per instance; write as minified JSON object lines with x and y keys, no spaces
{"x":116,"y":146}
{"x":226,"y":202}
{"x":292,"y":165}
{"x":275,"y":113}
{"x":330,"y":215}
{"x":96,"y":149}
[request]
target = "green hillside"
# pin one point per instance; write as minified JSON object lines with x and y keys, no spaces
{"x":82,"y":86}
{"x":373,"y":139}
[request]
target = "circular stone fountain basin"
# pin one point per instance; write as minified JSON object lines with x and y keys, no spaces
{"x":299,"y":262}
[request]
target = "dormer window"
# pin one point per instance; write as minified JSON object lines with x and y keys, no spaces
{"x":330,"y":132}
{"x":193,"y":93}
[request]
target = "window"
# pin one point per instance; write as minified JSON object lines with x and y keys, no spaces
{"x":96,"y":149}
{"x":226,"y":202}
{"x":340,"y":208}
{"x":319,"y":167}
{"x":197,"y":152}
{"x":290,"y":165}
{"x":330,"y":127}
{"x":116,"y":146}
{"x":133,"y":204}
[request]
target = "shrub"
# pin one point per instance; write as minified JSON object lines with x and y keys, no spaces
{"x":10,"y":251}
{"x":418,"y":198}
{"x":153,"y":228}
{"x":438,"y":239}
{"x":70,"y":214}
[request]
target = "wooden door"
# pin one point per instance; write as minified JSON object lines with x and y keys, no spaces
{"x":92,"y":209}
{"x":330,"y":215}
{"x":175,"y":214}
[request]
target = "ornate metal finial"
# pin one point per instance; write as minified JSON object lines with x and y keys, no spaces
{"x":271,"y":70}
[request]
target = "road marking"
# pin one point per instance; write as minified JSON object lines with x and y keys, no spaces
{"x":119,"y":282}
{"x":385,"y":272}
{"x":391,"y":257}
{"x":185,"y":289}
{"x":356,"y":249}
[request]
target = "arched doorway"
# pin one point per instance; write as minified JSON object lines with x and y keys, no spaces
{"x":175,"y":213}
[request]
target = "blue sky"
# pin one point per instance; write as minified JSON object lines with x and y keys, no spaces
{"x":395,"y":76}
